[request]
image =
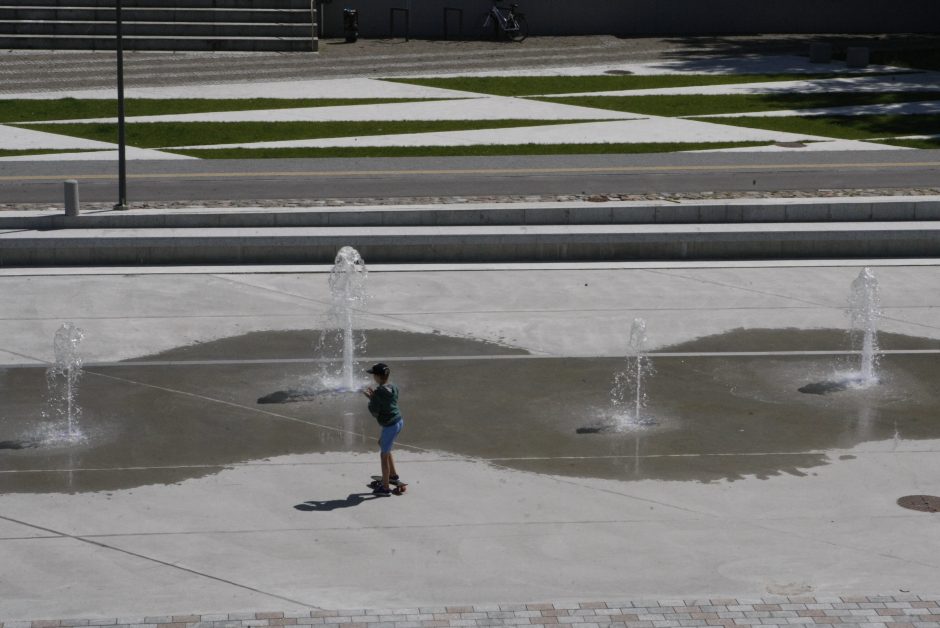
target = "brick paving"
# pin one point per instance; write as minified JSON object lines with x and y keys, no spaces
{"x":889,"y":611}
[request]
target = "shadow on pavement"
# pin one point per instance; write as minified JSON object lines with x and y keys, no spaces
{"x":354,"y":499}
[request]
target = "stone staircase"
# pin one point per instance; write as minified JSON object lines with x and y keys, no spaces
{"x":172,"y":25}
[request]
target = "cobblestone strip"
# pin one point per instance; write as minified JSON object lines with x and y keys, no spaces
{"x":898,"y":611}
{"x":441,"y":200}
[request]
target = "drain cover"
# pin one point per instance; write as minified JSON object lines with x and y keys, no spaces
{"x":923,"y":503}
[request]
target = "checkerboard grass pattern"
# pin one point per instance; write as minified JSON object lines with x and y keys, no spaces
{"x":890,"y":611}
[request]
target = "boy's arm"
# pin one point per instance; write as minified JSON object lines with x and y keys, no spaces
{"x":375,"y":402}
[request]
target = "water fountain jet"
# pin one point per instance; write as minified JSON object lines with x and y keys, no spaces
{"x":628,"y":394}
{"x":864,"y":312}
{"x":347,"y":285}
{"x":62,"y":412}
{"x":347,"y":288}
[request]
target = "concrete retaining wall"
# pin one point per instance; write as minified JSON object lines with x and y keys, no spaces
{"x":473,"y":244}
{"x":652,"y":17}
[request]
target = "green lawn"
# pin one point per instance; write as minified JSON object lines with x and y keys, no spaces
{"x":738,"y":103}
{"x":532,"y":85}
{"x":450,"y":151}
{"x":844,"y":127}
{"x":75,"y":109}
{"x":163,"y":134}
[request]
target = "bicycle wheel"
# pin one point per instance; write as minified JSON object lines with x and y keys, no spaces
{"x":522,"y":29}
{"x":489,"y":28}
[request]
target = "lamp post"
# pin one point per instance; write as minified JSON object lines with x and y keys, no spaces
{"x":122,"y":149}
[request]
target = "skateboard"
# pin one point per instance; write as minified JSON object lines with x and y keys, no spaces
{"x":400,"y":486}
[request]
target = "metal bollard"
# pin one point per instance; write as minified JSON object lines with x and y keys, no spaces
{"x":857,"y":57}
{"x":71,"y":197}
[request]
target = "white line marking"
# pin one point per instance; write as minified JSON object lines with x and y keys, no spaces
{"x":408,"y":268}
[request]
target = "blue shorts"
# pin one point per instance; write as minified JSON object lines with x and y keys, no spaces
{"x":389,"y":434}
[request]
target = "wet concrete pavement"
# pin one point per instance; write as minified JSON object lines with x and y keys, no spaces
{"x":185,"y":496}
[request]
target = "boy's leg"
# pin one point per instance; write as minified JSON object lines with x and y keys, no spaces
{"x":385,"y":469}
{"x":391,"y":459}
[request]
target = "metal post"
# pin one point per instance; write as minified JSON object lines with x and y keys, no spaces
{"x":71,"y":197}
{"x":122,"y":140}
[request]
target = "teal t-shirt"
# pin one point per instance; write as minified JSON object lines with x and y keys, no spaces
{"x":384,"y":404}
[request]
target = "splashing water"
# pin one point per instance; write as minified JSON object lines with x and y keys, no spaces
{"x":628,"y":394}
{"x":864,"y":312}
{"x":347,"y":285}
{"x":62,"y":412}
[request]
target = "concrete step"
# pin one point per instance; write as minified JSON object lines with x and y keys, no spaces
{"x":164,"y":29}
{"x":193,"y":25}
{"x":171,"y":4}
{"x":136,"y":42}
{"x":150,"y":14}
{"x":548,"y":243}
{"x":880,"y":209}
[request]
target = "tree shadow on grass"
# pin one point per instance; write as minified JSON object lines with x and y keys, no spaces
{"x":859,"y":127}
{"x":907,"y":50}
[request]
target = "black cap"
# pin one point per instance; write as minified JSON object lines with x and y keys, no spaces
{"x":381,"y":369}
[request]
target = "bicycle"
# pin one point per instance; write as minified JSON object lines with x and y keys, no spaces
{"x":506,"y":21}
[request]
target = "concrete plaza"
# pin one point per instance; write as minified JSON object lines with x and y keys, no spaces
{"x":190,"y":497}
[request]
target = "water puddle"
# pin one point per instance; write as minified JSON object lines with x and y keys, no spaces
{"x":194,"y":410}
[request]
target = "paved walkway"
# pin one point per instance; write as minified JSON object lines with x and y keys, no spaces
{"x":65,"y":70}
{"x":898,"y":611}
{"x":60,"y":70}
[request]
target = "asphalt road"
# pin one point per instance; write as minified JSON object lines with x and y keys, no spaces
{"x":41,"y":182}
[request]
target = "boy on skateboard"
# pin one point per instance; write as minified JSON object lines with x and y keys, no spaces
{"x":383,"y":404}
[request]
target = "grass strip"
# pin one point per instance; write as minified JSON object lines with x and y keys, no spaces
{"x":45,"y":151}
{"x":698,"y":105}
{"x":930,"y":143}
{"x":843,"y":127}
{"x":479,"y":150}
{"x":75,"y":109}
{"x":161,"y":134}
{"x":532,"y":85}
